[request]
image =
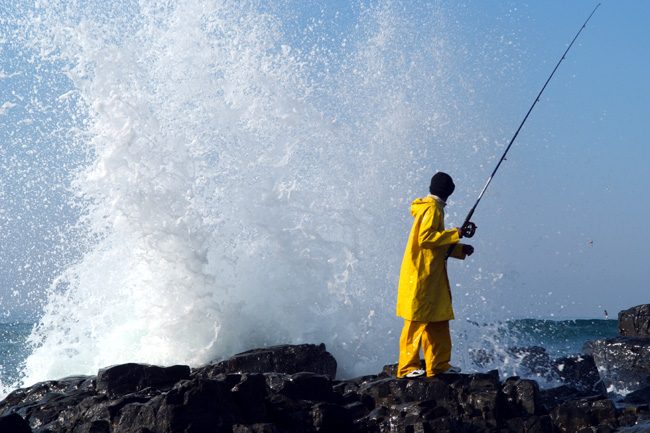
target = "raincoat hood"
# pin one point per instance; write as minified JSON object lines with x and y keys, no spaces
{"x":421,"y":203}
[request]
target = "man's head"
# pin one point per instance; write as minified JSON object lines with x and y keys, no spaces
{"x":442,"y":185}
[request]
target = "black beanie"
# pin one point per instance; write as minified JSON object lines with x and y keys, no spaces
{"x":442,"y":185}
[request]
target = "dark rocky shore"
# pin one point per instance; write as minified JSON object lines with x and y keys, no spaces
{"x":292,"y":389}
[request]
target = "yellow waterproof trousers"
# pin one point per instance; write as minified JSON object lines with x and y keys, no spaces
{"x":435,"y":340}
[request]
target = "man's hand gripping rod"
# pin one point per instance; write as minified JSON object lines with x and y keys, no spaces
{"x":469,"y":228}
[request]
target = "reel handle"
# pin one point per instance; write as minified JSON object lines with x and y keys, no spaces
{"x":468,"y":229}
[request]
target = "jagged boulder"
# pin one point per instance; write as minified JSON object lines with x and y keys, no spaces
{"x":288,"y":359}
{"x":43,"y":403}
{"x":579,"y":372}
{"x":441,"y":403}
{"x":197,"y":405}
{"x":623,"y":362}
{"x":585,"y":413}
{"x":129,"y":378}
{"x":635,"y":322}
{"x":522,"y":397}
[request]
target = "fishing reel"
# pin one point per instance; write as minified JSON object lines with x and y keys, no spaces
{"x":468,"y":229}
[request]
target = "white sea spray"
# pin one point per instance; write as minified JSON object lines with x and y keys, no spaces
{"x":237,"y":180}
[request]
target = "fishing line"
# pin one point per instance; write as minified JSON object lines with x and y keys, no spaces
{"x":469,"y":228}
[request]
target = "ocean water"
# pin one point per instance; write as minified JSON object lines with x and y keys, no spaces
{"x":13,"y":350}
{"x":504,"y":345}
{"x":559,"y":338}
{"x":183,"y":181}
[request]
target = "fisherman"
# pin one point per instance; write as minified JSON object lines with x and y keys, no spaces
{"x":424,"y":295}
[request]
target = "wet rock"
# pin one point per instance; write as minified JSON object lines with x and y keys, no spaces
{"x":46,"y":411}
{"x":328,"y":417}
{"x":37,"y":392}
{"x":582,"y":414}
{"x":635,"y":322}
{"x":623,"y":362}
{"x":199,"y":405}
{"x":288,"y":414}
{"x":357,"y":409}
{"x":304,"y":386}
{"x":560,"y":395}
{"x":135,"y":398}
{"x":250,"y":396}
{"x":442,"y":402}
{"x":533,"y":424}
{"x":391,"y":370}
{"x":634,"y":415}
{"x":128,"y":378}
{"x":480,"y":398}
{"x":522,"y":397}
{"x":579,"y":372}
{"x":382,"y":392}
{"x":373,"y":420}
{"x":255,"y":428}
{"x":287,"y":359}
{"x":93,"y":427}
{"x":640,"y":396}
{"x":14,"y":423}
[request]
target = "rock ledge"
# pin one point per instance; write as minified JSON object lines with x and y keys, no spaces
{"x":137,"y":398}
{"x":292,"y":389}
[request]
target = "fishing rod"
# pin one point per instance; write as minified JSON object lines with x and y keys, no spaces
{"x":469,"y":228}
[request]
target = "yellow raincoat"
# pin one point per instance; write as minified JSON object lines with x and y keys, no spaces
{"x":424,"y":294}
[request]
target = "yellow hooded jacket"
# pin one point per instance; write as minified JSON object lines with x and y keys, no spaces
{"x":424,"y":294}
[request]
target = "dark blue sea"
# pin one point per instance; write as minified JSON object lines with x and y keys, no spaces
{"x":13,"y":350}
{"x":561,"y":337}
{"x":558,"y":337}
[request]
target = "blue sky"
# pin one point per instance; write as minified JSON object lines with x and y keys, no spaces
{"x":573,"y":194}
